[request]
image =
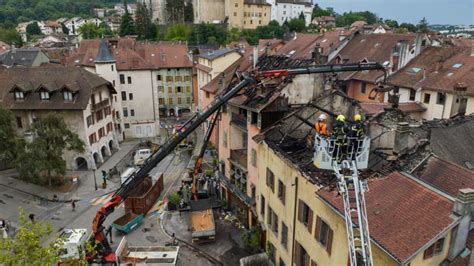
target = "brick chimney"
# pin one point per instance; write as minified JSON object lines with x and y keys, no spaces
{"x":402,"y":134}
{"x":464,"y":208}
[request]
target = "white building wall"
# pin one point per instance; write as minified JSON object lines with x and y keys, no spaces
{"x":285,"y":11}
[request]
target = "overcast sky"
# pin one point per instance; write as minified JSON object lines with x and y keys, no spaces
{"x":435,"y":11}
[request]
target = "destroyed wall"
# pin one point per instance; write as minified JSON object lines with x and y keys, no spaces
{"x":304,"y":88}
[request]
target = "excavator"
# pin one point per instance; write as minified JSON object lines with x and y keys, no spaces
{"x":103,"y":253}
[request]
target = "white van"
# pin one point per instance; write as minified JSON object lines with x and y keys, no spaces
{"x":141,"y":155}
{"x":127,"y":173}
{"x":73,"y":246}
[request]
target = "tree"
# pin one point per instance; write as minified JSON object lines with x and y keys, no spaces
{"x":391,"y":23}
{"x":9,"y":143}
{"x":422,"y":26}
{"x":202,"y":32}
{"x":43,"y":156}
{"x":319,"y":12}
{"x":179,"y":32}
{"x":33,"y":29}
{"x":188,"y":13}
{"x":410,"y":27}
{"x":144,"y":28}
{"x":297,"y":25}
{"x":64,"y":28}
{"x":175,"y":11}
{"x":10,"y":36}
{"x":126,"y":26}
{"x":90,"y":31}
{"x":26,"y":247}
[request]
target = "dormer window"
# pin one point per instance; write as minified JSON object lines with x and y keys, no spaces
{"x":67,"y":95}
{"x":19,"y":95}
{"x":44,"y":95}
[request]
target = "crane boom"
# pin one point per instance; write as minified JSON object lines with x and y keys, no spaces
{"x":104,"y":251}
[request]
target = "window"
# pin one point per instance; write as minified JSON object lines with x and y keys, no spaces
{"x":284,"y":235}
{"x":253,"y":191}
{"x":434,"y":249}
{"x":125,"y":112}
{"x":90,"y":120}
{"x":19,"y":95}
{"x":281,"y":191}
{"x":412,"y":94}
{"x":188,"y":89}
{"x":235,"y":14}
{"x":225,"y":139}
{"x":169,"y":79}
{"x":271,"y":252}
{"x":269,"y":216}
{"x":107,"y":111}
{"x":161,"y":101}
{"x":187,"y":78}
{"x":126,"y":125}
{"x":132,"y":112}
{"x":179,"y":89}
{"x":426,"y":98}
{"x":122,"y":79}
{"x":363,"y":87}
{"x":158,"y":77}
{"x":262,"y":206}
{"x":161,"y":89}
{"x":178,"y":78}
{"x":130,"y":96}
{"x":170,"y":101}
{"x":124,"y":96}
{"x":441,"y":98}
{"x":301,"y":256}
{"x":67,"y":95}
{"x":305,"y":215}
{"x":323,"y":234}
{"x":92,"y":138}
{"x":188,"y":100}
{"x":275,"y":223}
{"x":253,"y":157}
{"x":113,"y":82}
{"x":260,"y":22}
{"x":236,"y":5}
{"x":270,"y":180}
{"x":179,"y":100}
{"x":170,"y":89}
{"x":281,"y":263}
{"x":18,"y":122}
{"x":112,"y":68}
{"x":99,"y":115}
{"x":44,"y":95}
{"x":129,"y":79}
{"x":207,"y":94}
{"x":101,"y":132}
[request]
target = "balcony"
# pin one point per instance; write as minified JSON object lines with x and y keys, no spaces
{"x":232,"y":187}
{"x":100,"y":105}
{"x":239,"y":158}
{"x":239,"y":120}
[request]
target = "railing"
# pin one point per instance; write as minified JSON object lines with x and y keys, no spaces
{"x":330,"y":151}
{"x":239,"y":120}
{"x":100,"y":105}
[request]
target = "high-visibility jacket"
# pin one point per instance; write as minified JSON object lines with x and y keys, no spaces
{"x":322,"y":129}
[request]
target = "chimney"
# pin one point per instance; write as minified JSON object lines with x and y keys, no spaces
{"x":268,"y":48}
{"x":13,"y":49}
{"x":402,"y":134}
{"x":255,"y":56}
{"x":438,"y":65}
{"x":464,"y":203}
{"x":472,"y":51}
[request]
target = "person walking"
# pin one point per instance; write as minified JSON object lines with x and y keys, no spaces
{"x":73,"y":204}
{"x":340,"y":133}
{"x":32,"y":217}
{"x":321,"y":126}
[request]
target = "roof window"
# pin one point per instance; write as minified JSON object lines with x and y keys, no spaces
{"x":414,"y":70}
{"x":450,"y":74}
{"x":44,"y":95}
{"x":386,"y":63}
{"x":458,"y":65}
{"x":292,"y":52}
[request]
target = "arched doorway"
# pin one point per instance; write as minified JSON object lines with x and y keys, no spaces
{"x":171,"y":112}
{"x":103,"y":151}
{"x":97,"y":159}
{"x":111,"y":146}
{"x":81,"y":164}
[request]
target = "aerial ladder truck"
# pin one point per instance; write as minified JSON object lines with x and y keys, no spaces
{"x":103,"y":253}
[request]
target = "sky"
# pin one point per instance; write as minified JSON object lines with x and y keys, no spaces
{"x":454,"y":12}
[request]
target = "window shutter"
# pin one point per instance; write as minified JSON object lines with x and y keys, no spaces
{"x":318,"y":228}
{"x":300,"y":210}
{"x":297,"y":254}
{"x":306,"y":260}
{"x":310,"y":220}
{"x":329,"y":242}
{"x":283,"y":194}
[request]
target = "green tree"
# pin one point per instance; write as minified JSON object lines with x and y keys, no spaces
{"x":422,"y":26}
{"x":410,"y":27}
{"x":319,"y":12}
{"x":10,"y":36}
{"x":43,"y":156}
{"x":27,"y":248}
{"x":144,"y":28}
{"x":179,"y":32}
{"x":33,"y":29}
{"x":126,"y":26}
{"x":202,"y":32}
{"x":9,"y":142}
{"x":391,"y":23}
{"x":90,"y":31}
{"x":297,"y":24}
{"x":188,"y":12}
{"x":64,"y":28}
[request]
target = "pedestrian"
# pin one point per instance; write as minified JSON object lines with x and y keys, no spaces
{"x":55,"y":197}
{"x":340,"y":133}
{"x":357,"y":135}
{"x":73,"y":204}
{"x":321,"y":126}
{"x":32,"y":217}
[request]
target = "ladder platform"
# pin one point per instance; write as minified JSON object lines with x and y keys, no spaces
{"x":327,"y":152}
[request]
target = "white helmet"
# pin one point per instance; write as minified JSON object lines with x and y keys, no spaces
{"x":322,"y":117}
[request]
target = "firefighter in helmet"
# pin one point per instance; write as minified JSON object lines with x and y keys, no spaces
{"x":357,"y":134}
{"x":321,"y":126}
{"x":340,"y":134}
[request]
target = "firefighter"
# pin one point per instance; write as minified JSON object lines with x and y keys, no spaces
{"x":357,"y":134}
{"x":340,"y":134}
{"x":321,"y":126}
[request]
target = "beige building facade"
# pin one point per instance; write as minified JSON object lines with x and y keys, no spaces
{"x":248,"y":14}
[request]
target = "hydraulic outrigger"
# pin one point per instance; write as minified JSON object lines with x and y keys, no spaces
{"x":104,"y":253}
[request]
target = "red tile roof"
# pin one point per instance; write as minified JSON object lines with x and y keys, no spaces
{"x":372,"y":108}
{"x":300,"y":47}
{"x":403,"y":214}
{"x":444,"y":175}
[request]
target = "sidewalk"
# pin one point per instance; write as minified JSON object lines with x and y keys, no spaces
{"x":84,"y":186}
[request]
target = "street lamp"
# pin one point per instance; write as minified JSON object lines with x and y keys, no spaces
{"x":95,"y":180}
